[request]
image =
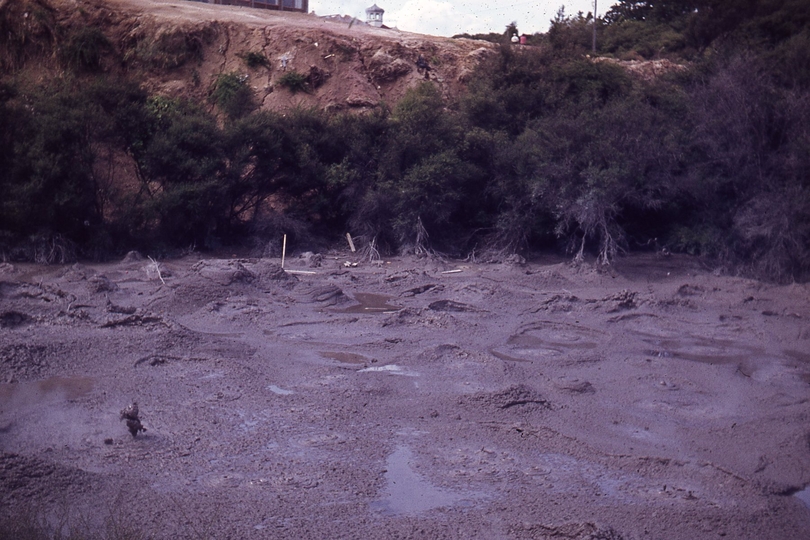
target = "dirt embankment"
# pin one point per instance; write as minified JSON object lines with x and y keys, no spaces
{"x":178,"y":48}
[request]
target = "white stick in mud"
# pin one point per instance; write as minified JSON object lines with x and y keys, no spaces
{"x":283,"y":250}
{"x":157,"y":268}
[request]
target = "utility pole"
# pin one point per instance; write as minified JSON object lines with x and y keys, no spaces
{"x":594,"y":27}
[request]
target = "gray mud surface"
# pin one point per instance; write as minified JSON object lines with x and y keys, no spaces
{"x":417,"y":398}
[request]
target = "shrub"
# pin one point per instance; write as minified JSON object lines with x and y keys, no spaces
{"x":774,"y":234}
{"x":232,"y":94}
{"x":294,"y":82}
{"x":49,"y":185}
{"x":254,"y":60}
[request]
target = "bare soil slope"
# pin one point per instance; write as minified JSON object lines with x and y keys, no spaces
{"x":418,"y":398}
{"x":178,"y":48}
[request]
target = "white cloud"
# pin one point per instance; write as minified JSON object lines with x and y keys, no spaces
{"x":449,"y":17}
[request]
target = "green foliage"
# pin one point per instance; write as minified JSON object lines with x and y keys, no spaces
{"x":163,"y":108}
{"x":232,"y":94}
{"x":181,"y":166}
{"x":49,"y":185}
{"x":749,"y":155}
{"x":642,"y":10}
{"x":634,"y":40}
{"x":773,"y":232}
{"x":492,"y":37}
{"x":294,"y":82}
{"x":571,"y":35}
{"x":548,"y":149}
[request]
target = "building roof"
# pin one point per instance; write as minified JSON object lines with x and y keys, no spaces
{"x":375,"y":9}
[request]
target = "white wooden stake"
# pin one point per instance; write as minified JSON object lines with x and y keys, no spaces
{"x":283,"y":250}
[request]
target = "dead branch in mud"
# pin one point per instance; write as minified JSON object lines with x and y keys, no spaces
{"x":420,"y":247}
{"x":157,"y":268}
{"x":369,"y":251}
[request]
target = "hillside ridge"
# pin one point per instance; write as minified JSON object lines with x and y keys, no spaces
{"x":178,"y":48}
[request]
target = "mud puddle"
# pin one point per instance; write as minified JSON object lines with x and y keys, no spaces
{"x":547,"y":339}
{"x":371,"y":303}
{"x":346,"y":357}
{"x":406,"y":492}
{"x":51,"y":389}
{"x":707,"y":351}
{"x":546,"y":333}
{"x":804,"y":496}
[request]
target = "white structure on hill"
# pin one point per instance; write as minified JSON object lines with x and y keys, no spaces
{"x":374,"y":16}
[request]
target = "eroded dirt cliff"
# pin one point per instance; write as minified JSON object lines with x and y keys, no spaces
{"x":179,"y":48}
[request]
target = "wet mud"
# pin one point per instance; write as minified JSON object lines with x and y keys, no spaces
{"x":418,"y":398}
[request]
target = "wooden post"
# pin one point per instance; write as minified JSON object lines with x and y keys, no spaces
{"x":351,"y":244}
{"x":283,"y":250}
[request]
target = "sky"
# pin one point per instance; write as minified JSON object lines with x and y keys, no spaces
{"x":450,"y":17}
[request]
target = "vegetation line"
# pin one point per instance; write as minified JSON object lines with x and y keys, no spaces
{"x":550,"y":148}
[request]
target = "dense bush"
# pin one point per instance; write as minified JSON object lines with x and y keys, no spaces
{"x":255,"y":59}
{"x":548,"y":149}
{"x":231,"y":93}
{"x":47,"y":185}
{"x":294,"y":82}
